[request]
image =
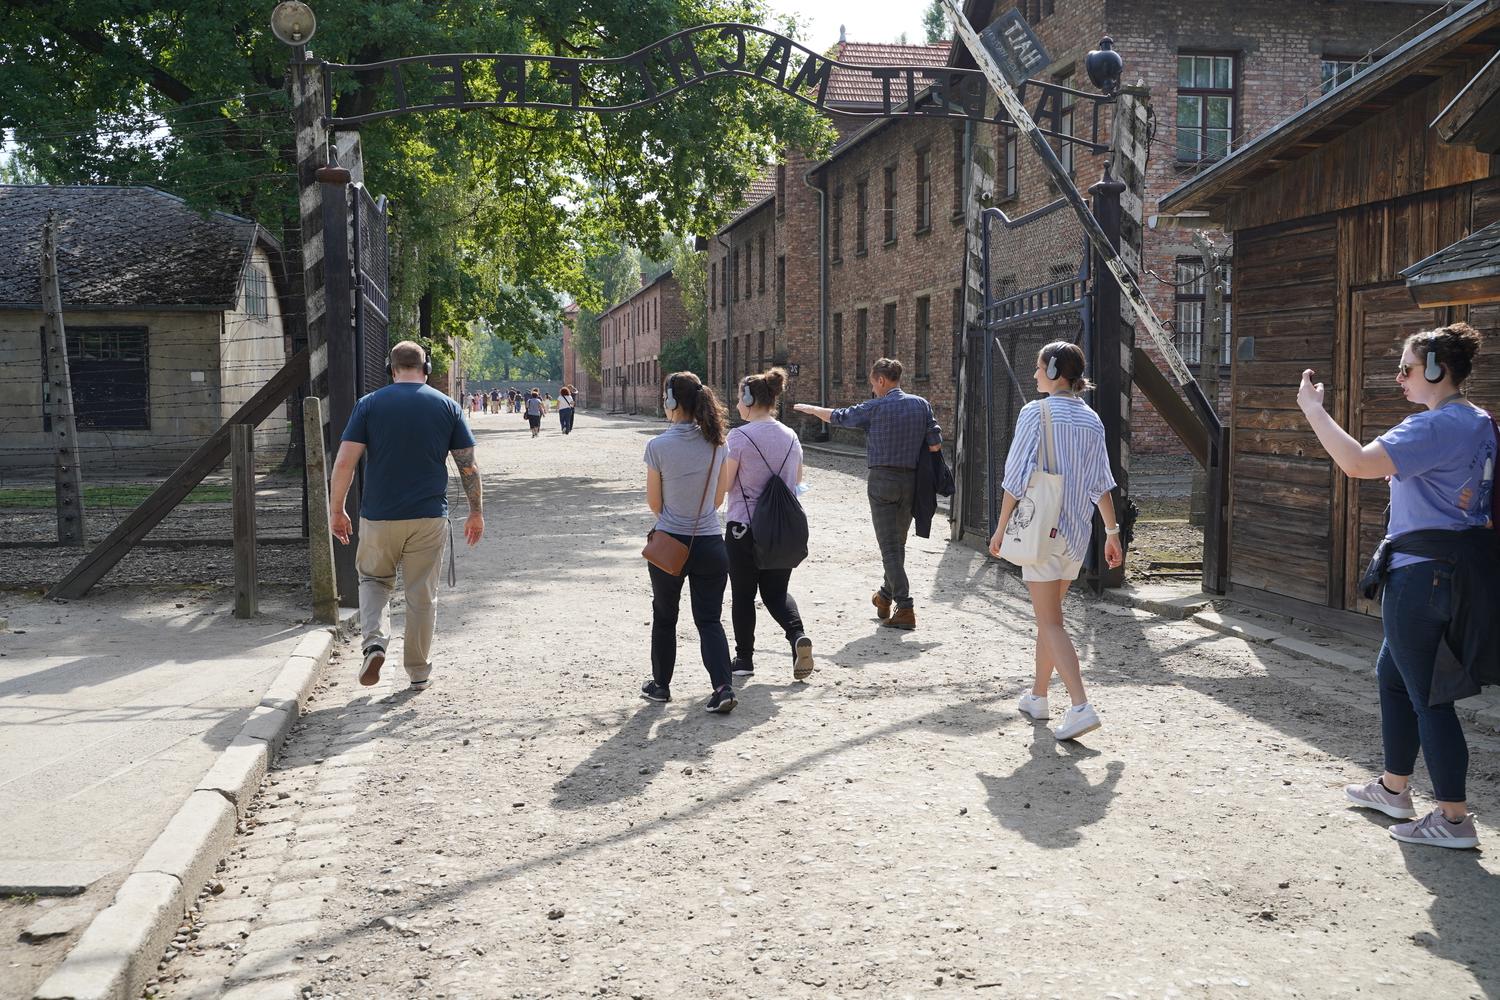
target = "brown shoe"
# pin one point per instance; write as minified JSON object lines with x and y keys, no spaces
{"x":369,"y":673}
{"x":882,"y":605}
{"x":905,"y":618}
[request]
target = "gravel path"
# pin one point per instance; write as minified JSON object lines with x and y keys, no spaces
{"x":530,"y":828}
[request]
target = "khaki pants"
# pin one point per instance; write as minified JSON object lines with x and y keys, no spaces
{"x":416,"y":547}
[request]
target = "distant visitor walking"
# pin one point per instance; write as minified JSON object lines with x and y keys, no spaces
{"x":405,"y":433}
{"x":1435,"y":572}
{"x":566,"y":403}
{"x":534,"y":410}
{"x":899,"y":430}
{"x":1060,"y":434}
{"x":760,"y":449}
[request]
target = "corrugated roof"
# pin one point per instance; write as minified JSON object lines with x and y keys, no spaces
{"x":122,"y":246}
{"x":852,"y":87}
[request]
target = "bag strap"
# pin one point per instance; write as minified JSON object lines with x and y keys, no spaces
{"x":706,"y":480}
{"x":1046,"y":459}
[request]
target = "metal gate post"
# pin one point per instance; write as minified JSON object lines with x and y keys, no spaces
{"x":1106,"y":368}
{"x":338,"y":327}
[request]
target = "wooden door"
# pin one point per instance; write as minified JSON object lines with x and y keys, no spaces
{"x":1380,"y":320}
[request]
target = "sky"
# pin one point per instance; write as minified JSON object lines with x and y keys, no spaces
{"x":864,"y":20}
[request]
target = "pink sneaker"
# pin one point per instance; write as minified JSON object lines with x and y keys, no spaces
{"x":1375,"y":796}
{"x":1434,"y":830}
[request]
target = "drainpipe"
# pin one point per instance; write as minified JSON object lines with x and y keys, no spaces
{"x":823,"y":432}
{"x":728,"y":322}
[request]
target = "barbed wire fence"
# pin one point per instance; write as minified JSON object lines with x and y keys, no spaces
{"x":150,"y":385}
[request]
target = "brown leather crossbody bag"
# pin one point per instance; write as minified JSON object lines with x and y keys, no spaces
{"x":667,"y":553}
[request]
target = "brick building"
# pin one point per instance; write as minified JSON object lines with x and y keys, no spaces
{"x":574,"y":372}
{"x":631,"y":337}
{"x":764,"y":292}
{"x":1225,"y":67}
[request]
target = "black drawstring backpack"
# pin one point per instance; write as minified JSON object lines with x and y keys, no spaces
{"x":779,"y":525}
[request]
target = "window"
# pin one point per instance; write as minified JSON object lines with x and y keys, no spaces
{"x":749,"y":272}
{"x":762,"y":285}
{"x":836,"y":237}
{"x":781,"y":189}
{"x":713,"y":366}
{"x":735,"y":268}
{"x":889,"y":209}
{"x":1065,"y":127}
{"x":1205,"y":106}
{"x":958,"y":173}
{"x":1339,"y":70}
{"x":861,"y":217}
{"x":1190,"y":299}
{"x":838,"y":348}
{"x":862,"y":341}
{"x":257,"y":297}
{"x":924,"y":337}
{"x":1010,"y":174}
{"x":713,"y":285}
{"x":760,"y":351}
{"x":781,"y":289}
{"x":1064,"y":275}
{"x":890,"y":330}
{"x":111,"y":376}
{"x":924,"y":190}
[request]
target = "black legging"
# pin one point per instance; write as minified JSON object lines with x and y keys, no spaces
{"x":745,"y":578}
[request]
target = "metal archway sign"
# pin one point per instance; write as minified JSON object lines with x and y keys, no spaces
{"x":471,"y":81}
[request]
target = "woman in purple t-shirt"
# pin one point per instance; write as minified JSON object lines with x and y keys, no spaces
{"x":1440,"y":463}
{"x":760,"y":448}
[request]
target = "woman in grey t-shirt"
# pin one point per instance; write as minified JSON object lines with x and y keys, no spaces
{"x":683,"y":491}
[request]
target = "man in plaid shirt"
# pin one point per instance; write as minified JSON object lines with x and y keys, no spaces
{"x":896,"y":425}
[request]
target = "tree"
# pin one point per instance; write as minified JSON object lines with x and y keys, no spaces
{"x":935,"y":23}
{"x":690,"y":268}
{"x":683,"y":355}
{"x":492,"y":210}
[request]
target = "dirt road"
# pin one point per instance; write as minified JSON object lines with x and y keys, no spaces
{"x":529,"y":827}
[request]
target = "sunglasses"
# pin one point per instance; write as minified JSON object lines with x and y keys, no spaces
{"x":1404,"y":370}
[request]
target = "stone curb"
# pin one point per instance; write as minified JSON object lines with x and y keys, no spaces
{"x":122,"y":945}
{"x":1178,"y":608}
{"x":1482,"y":710}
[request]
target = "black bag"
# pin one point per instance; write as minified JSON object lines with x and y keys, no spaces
{"x":779,"y":525}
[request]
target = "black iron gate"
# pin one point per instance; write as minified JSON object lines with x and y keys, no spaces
{"x":1037,"y":288}
{"x":372,"y":277}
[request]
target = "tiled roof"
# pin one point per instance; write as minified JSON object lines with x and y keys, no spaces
{"x":122,"y":246}
{"x":759,"y":190}
{"x":845,"y":87}
{"x":1476,"y":255}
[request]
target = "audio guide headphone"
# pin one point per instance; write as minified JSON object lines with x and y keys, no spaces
{"x":1052,"y":366}
{"x":746,"y":396}
{"x":669,"y":401}
{"x":1434,"y":371}
{"x":390,"y":369}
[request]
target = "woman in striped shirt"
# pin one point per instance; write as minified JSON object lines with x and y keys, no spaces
{"x":1078,"y":438}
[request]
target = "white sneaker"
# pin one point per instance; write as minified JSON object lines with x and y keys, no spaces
{"x":1076,"y":721}
{"x":1034,"y":706}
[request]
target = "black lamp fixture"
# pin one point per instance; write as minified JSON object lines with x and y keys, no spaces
{"x":1105,"y":66}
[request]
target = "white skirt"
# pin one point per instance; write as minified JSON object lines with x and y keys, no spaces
{"x":1060,"y":567}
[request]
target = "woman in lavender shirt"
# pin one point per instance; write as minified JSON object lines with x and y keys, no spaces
{"x":760,"y":448}
{"x":1440,"y":463}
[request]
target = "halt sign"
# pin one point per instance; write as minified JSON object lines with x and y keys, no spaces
{"x":1018,"y":50}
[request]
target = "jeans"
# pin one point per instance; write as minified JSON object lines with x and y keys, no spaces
{"x":744,"y":579}
{"x":1415,"y":608}
{"x":892,"y":492}
{"x":706,"y":574}
{"x":565,"y":416}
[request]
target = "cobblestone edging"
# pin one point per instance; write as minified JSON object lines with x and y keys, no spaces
{"x":121,"y":947}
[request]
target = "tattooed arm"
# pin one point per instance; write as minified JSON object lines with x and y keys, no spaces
{"x":468,"y":474}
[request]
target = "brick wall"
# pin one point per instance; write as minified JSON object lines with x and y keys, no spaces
{"x":631,"y":336}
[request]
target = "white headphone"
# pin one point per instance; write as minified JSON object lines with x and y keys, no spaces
{"x":746,"y":396}
{"x":1052,"y":366}
{"x":669,"y":401}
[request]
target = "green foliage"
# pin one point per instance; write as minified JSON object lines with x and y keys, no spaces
{"x":690,"y":269}
{"x":935,"y":23}
{"x":683,"y":355}
{"x":491,"y":211}
{"x":489,"y":356}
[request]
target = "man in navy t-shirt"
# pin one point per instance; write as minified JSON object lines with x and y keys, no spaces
{"x":405,"y":432}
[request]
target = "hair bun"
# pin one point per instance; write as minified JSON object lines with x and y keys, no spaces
{"x":777,"y":379}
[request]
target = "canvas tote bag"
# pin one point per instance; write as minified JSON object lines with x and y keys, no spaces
{"x":1031,"y":536}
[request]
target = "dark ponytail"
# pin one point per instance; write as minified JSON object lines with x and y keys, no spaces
{"x":700,"y":404}
{"x":1070,"y":363}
